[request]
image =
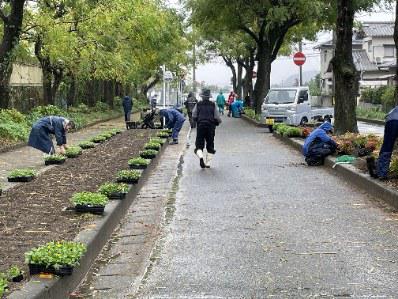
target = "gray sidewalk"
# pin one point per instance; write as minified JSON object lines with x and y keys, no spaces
{"x":29,"y":157}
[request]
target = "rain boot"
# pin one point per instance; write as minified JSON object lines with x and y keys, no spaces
{"x":209,"y":157}
{"x":199,"y":153}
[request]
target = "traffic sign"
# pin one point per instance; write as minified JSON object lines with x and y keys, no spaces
{"x":168,"y":76}
{"x":299,"y":58}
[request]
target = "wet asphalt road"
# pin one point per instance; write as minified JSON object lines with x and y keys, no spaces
{"x":260,"y":224}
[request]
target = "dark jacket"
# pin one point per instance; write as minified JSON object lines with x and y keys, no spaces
{"x":392,"y":115}
{"x":39,"y":137}
{"x":191,"y":102}
{"x":172,"y":116}
{"x":320,"y":134}
{"x":127,"y":104}
{"x":205,"y":112}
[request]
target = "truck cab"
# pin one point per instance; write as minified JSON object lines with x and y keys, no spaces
{"x":291,"y":105}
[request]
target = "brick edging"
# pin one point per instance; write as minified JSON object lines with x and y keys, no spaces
{"x":94,"y":237}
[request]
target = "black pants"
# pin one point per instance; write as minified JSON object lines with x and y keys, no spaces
{"x":317,"y":153}
{"x":191,"y":121}
{"x":205,"y":133}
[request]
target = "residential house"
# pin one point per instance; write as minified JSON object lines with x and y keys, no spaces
{"x":373,"y":54}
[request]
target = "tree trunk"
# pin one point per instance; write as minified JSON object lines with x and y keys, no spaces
{"x":263,"y":82}
{"x":47,"y":83}
{"x":72,"y":92}
{"x":239,"y":81}
{"x":58,"y":75}
{"x":345,"y":75}
{"x":11,"y":33}
{"x":396,"y":53}
{"x":90,"y":93}
{"x":109,"y":91}
{"x":231,"y":65}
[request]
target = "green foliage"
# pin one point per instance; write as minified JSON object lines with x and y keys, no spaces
{"x":101,"y":106}
{"x":394,"y":165}
{"x":157,"y":140}
{"x":86,"y":144}
{"x":148,"y":152}
{"x":162,"y":134}
{"x":372,"y":95}
{"x":152,"y":145}
{"x":56,"y":254}
{"x":14,"y":271}
{"x":56,"y":157}
{"x":371,"y":113}
{"x":73,"y":151}
{"x":139,"y":161}
{"x":292,"y":132}
{"x":109,"y":188}
{"x":3,"y":284}
{"x":98,"y":139}
{"x":128,"y":175}
{"x":387,"y":98}
{"x":24,"y":172}
{"x":315,"y":85}
{"x":89,"y":198}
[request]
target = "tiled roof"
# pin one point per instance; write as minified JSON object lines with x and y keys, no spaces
{"x":362,"y":62}
{"x":378,"y":29}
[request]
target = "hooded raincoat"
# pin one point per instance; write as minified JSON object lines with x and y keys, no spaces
{"x":173,"y":120}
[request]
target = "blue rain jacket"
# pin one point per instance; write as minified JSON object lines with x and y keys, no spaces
{"x":172,"y":117}
{"x":392,"y":115}
{"x":40,"y":138}
{"x":321,"y":134}
{"x":237,"y":108}
{"x":127,"y":104}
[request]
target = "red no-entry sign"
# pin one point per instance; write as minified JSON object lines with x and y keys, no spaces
{"x":299,"y":58}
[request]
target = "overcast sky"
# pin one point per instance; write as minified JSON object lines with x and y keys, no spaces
{"x":218,"y":74}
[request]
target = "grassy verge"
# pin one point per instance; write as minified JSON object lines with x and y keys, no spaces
{"x":369,"y":113}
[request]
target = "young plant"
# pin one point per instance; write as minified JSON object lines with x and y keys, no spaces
{"x":157,"y":140}
{"x":54,"y":158}
{"x":148,"y":154}
{"x":73,"y":151}
{"x":163,"y":134}
{"x":13,"y":273}
{"x":116,"y":131}
{"x":23,"y":172}
{"x":152,"y":145}
{"x":89,"y":199}
{"x":98,"y":139}
{"x":56,"y":254}
{"x":87,"y":144}
{"x":128,"y":175}
{"x":3,"y":284}
{"x":107,"y":135}
{"x":108,"y":189}
{"x":139,"y":161}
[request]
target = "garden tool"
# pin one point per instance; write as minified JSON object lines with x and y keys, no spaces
{"x":345,"y":159}
{"x":199,"y":153}
{"x":209,"y":157}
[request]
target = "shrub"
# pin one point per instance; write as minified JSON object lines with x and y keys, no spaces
{"x":56,"y":254}
{"x":101,"y":106}
{"x":139,"y":161}
{"x":24,"y":172}
{"x":387,"y":98}
{"x":394,"y":165}
{"x":41,"y":111}
{"x":89,"y":199}
{"x":12,"y":115}
{"x":13,"y":131}
{"x":73,"y":151}
{"x":109,"y":188}
{"x":3,"y":285}
{"x":152,"y":145}
{"x":128,"y":175}
{"x":292,"y":132}
{"x":86,"y":144}
{"x":250,"y":112}
{"x":56,"y":157}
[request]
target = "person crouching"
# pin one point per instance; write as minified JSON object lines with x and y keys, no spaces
{"x":318,"y":145}
{"x":40,"y":135}
{"x":174,"y":119}
{"x":207,"y":117}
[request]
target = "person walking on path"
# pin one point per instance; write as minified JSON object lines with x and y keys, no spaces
{"x":381,"y":168}
{"x":231,"y":99}
{"x":127,"y":107}
{"x":174,"y":119}
{"x":220,"y":102}
{"x":318,"y":145}
{"x":190,"y":103}
{"x":207,"y":117}
{"x":40,"y":138}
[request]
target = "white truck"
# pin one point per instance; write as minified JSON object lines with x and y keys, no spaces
{"x":292,"y":105}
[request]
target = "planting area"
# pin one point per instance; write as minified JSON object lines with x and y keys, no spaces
{"x":34,"y":213}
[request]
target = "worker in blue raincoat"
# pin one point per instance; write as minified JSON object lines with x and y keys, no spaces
{"x":381,"y":168}
{"x":237,"y":108}
{"x":40,"y":135}
{"x":174,"y":119}
{"x":318,"y":145}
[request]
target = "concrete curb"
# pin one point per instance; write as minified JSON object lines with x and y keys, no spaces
{"x":253,"y":121}
{"x":348,"y":172}
{"x":95,"y":237}
{"x":372,"y":121}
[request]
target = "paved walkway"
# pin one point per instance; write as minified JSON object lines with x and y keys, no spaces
{"x":29,"y":157}
{"x":261,"y":224}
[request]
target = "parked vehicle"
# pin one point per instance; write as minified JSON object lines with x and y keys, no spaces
{"x":292,"y":105}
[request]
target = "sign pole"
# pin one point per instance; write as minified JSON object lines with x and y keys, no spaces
{"x":164,"y":87}
{"x":301,"y":66}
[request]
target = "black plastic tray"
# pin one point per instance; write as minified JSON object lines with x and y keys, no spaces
{"x":132,"y":166}
{"x":128,"y":181}
{"x":22,"y":179}
{"x":90,"y":209}
{"x":117,"y":196}
{"x":54,"y":162}
{"x":147,"y":156}
{"x":62,"y":271}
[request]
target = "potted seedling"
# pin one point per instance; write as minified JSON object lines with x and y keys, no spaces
{"x":73,"y":151}
{"x":15,"y":274}
{"x":87,"y":144}
{"x":114,"y":190}
{"x":98,"y":139}
{"x":55,"y":159}
{"x":106,"y":135}
{"x":157,"y":140}
{"x":152,"y":145}
{"x":55,"y":257}
{"x":128,"y":176}
{"x":148,"y":154}
{"x":139,"y":163}
{"x":89,"y":202}
{"x":116,"y":131}
{"x":22,"y":175}
{"x":163,"y":135}
{"x":3,"y":284}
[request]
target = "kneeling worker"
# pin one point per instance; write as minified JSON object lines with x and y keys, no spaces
{"x":207,"y":117}
{"x":318,"y":145}
{"x":40,"y":138}
{"x":174,"y":119}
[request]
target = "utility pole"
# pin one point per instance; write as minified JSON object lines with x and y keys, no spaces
{"x":300,"y":67}
{"x":164,"y":87}
{"x":194,"y":69}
